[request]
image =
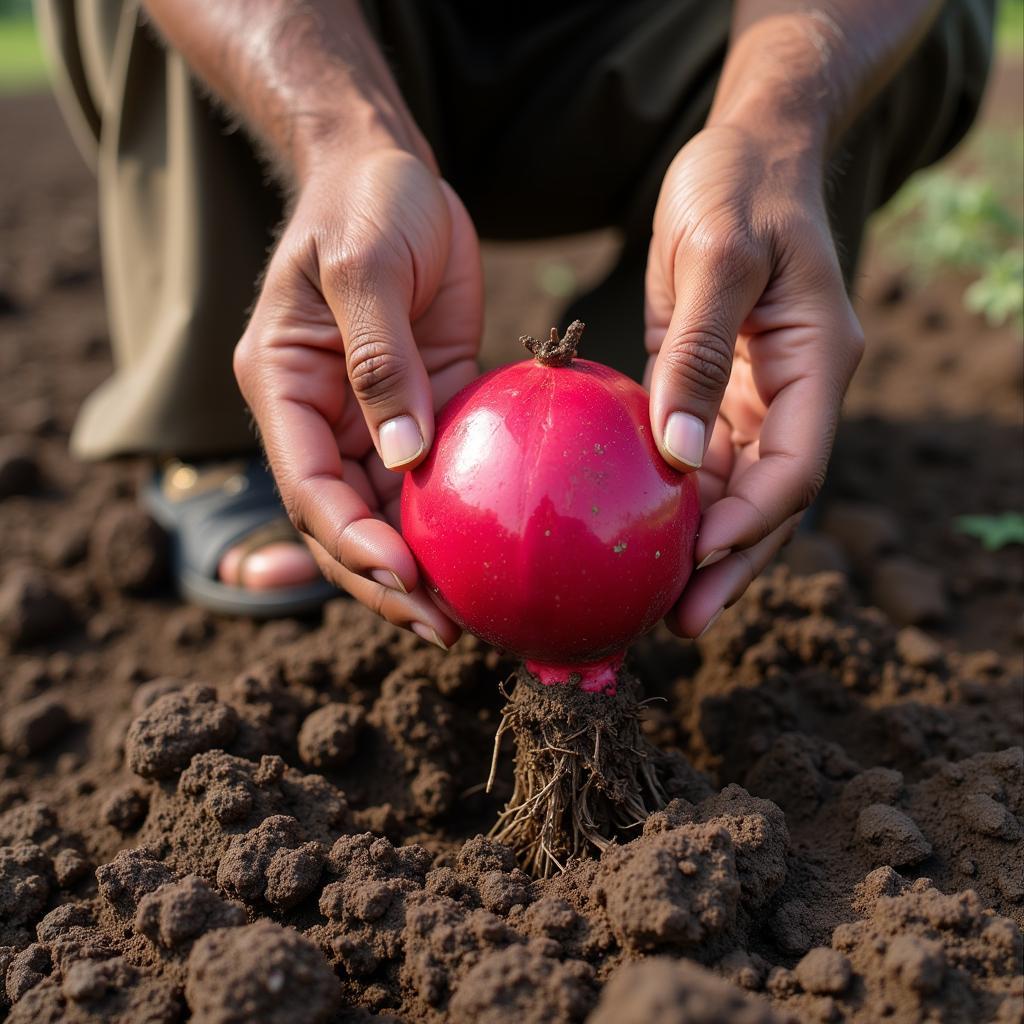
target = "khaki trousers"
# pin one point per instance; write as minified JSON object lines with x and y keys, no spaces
{"x":545,"y":124}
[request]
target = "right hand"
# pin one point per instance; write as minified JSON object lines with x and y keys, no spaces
{"x":369,"y":319}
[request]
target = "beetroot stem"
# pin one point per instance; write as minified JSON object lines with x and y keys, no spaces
{"x":555,"y":351}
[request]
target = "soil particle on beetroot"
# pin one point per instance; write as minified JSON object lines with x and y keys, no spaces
{"x":259,"y":972}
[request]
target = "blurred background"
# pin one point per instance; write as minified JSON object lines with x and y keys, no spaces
{"x":923,"y":506}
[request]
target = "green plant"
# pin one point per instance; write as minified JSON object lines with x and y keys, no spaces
{"x":998,"y":295}
{"x":967,"y":222}
{"x":994,"y":532}
{"x":21,"y":57}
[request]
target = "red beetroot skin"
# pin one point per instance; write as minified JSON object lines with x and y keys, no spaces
{"x":545,"y":520}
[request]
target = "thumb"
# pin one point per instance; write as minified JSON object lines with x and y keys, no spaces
{"x":385,"y":369}
{"x":714,"y":293}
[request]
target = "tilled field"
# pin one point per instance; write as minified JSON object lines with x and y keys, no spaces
{"x":225,"y":821}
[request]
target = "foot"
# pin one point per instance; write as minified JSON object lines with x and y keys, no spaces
{"x":274,"y":565}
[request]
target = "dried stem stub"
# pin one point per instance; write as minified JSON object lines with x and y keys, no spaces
{"x":585,"y":774}
{"x":555,"y":351}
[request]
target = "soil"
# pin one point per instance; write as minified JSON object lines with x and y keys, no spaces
{"x":228,"y":821}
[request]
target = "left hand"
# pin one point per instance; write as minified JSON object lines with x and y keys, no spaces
{"x":752,"y":344}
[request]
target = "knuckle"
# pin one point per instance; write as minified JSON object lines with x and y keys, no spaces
{"x":700,"y":362}
{"x":355,"y":264}
{"x":733,"y":251}
{"x":855,"y":344}
{"x":243,"y":360}
{"x":813,"y":484}
{"x":376,"y":368}
{"x":295,"y":502}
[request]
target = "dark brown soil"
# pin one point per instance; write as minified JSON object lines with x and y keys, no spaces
{"x":227,"y":821}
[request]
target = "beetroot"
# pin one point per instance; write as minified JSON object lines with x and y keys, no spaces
{"x":546,"y":522}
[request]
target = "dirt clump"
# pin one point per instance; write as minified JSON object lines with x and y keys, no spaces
{"x":259,"y":972}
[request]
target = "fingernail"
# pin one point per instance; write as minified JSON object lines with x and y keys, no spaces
{"x":684,"y":438}
{"x":714,"y":618}
{"x":389,"y":579}
{"x":429,"y":634}
{"x":400,"y":441}
{"x":716,"y":556}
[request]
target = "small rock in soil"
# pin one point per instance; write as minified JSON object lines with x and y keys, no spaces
{"x":823,"y":971}
{"x":891,"y":837}
{"x":981,"y":813}
{"x":19,"y":468}
{"x":31,"y":609}
{"x":128,"y":551}
{"x":911,"y":594}
{"x":328,"y":737}
{"x":34,"y":726}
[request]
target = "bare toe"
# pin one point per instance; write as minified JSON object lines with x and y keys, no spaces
{"x":275,"y":566}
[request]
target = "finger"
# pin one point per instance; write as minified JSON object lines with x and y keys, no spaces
{"x":794,"y":447}
{"x":322,"y":504}
{"x":414,"y":611}
{"x":715,"y":588}
{"x":371,"y":305}
{"x":715,"y":289}
{"x":307,"y":466}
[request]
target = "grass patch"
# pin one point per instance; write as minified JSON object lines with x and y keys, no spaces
{"x":22,"y":67}
{"x":1010,"y":27}
{"x":967,"y":218}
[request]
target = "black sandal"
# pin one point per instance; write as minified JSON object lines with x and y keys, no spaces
{"x":209,"y":510}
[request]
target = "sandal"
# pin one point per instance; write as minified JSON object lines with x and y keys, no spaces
{"x":207,"y":510}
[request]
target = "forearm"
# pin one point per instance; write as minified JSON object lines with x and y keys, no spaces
{"x":807,"y":69}
{"x":306,"y":77}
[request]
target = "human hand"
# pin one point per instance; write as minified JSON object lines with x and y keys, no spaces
{"x":752,"y":344}
{"x":368,"y":320}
